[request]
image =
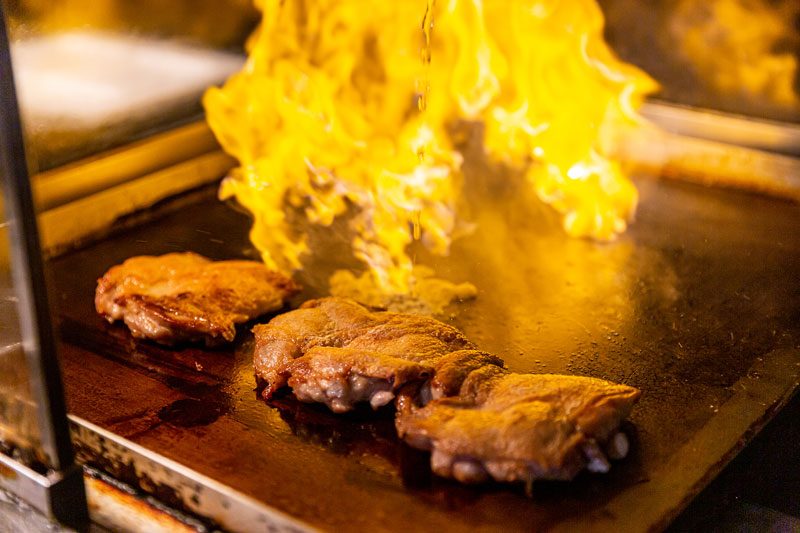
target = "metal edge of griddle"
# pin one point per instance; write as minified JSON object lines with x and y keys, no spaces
{"x":53,"y":494}
{"x":650,"y":506}
{"x":196,"y":493}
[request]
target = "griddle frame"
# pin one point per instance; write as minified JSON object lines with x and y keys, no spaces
{"x":60,"y":493}
{"x":196,"y":493}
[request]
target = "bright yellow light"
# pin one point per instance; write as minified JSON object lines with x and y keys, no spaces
{"x":338,"y":105}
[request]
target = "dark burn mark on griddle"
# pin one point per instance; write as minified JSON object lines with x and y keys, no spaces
{"x":204,"y":405}
{"x":191,"y":413}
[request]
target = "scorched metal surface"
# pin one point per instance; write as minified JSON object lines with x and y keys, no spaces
{"x":698,"y":305}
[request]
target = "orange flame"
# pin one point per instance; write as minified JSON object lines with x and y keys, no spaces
{"x":338,"y":105}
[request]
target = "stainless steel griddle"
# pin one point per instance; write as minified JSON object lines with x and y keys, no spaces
{"x":698,"y":305}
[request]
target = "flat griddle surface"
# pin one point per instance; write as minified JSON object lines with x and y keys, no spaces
{"x":698,"y":305}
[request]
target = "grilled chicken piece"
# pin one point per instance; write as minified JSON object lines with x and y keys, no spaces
{"x":185,"y":296}
{"x":479,"y":420}
{"x":341,"y":377}
{"x":338,"y":352}
{"x":521,"y":427}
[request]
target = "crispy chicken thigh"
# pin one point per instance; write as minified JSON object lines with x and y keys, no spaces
{"x":338,"y":352}
{"x":521,"y":427}
{"x":185,"y":296}
{"x":478,"y":420}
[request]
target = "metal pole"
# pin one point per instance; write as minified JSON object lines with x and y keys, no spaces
{"x":34,"y":311}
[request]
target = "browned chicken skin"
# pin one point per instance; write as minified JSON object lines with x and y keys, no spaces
{"x":479,"y":420}
{"x":400,"y":348}
{"x":521,"y":427}
{"x":185,"y":296}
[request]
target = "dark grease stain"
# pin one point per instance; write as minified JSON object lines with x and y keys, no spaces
{"x":197,"y":390}
{"x":190,"y":413}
